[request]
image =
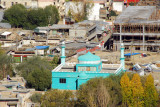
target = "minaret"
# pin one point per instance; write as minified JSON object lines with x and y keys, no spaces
{"x":63,"y":53}
{"x":122,"y":56}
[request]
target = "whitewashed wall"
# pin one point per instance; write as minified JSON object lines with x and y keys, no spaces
{"x":118,"y":6}
{"x":28,"y":42}
{"x":39,"y":52}
{"x":54,"y":41}
{"x":93,"y":13}
{"x":8,"y":44}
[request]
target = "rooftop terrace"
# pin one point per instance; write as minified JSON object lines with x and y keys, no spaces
{"x":71,"y":67}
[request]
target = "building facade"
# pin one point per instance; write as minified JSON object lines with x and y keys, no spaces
{"x":69,"y":76}
{"x":98,"y":10}
{"x":26,"y":3}
{"x":118,"y":5}
{"x":138,"y":28}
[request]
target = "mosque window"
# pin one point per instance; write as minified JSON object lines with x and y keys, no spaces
{"x":62,"y":80}
{"x":81,"y":68}
{"x":93,"y":68}
{"x":88,"y":69}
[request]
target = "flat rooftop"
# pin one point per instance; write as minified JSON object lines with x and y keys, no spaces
{"x":71,"y":67}
{"x":60,"y":26}
{"x":134,"y":14}
{"x":78,"y":45}
{"x":15,"y":81}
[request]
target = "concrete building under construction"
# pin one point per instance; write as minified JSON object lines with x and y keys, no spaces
{"x":149,"y":3}
{"x":138,"y":27}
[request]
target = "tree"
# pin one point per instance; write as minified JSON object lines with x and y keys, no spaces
{"x":126,"y":90}
{"x":36,"y":17}
{"x":39,"y":79}
{"x":36,"y":97}
{"x":55,"y":61}
{"x":112,"y":13}
{"x":19,"y":16}
{"x":52,"y":14}
{"x":37,"y":72}
{"x":99,"y":92}
{"x":103,"y":96}
{"x":6,"y":66}
{"x":80,"y":9}
{"x":137,"y":91}
{"x":69,"y":13}
{"x":150,"y":93}
{"x":114,"y":90}
{"x":16,"y":15}
{"x":58,"y":98}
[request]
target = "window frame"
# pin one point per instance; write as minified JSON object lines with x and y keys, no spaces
{"x":62,"y":80}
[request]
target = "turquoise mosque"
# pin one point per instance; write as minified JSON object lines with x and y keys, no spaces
{"x":69,"y":76}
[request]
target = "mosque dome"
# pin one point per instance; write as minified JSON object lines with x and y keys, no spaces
{"x":89,"y":57}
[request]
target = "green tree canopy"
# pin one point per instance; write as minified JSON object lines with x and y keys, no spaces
{"x":52,"y":14}
{"x":37,"y":72}
{"x":16,"y":15}
{"x":55,"y":61}
{"x":112,"y":13}
{"x":39,"y":79}
{"x":6,"y":66}
{"x":19,"y":16}
{"x":36,"y":97}
{"x":36,"y":17}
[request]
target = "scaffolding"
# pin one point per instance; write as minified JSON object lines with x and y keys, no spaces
{"x":138,"y":26}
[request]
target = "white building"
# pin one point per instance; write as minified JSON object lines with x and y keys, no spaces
{"x":94,"y":11}
{"x":118,"y":5}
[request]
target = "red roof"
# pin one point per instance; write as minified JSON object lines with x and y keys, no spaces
{"x":132,"y":1}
